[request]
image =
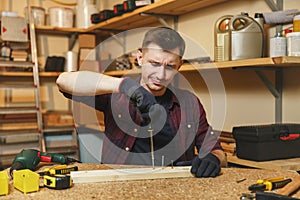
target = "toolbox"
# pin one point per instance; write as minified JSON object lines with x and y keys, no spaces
{"x":267,"y":142}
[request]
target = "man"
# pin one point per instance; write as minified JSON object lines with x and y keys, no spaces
{"x":150,"y":116}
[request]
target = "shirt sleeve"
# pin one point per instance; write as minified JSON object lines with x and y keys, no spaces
{"x":99,"y":102}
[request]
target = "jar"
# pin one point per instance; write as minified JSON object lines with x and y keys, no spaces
{"x":296,"y":23}
{"x":5,"y":52}
{"x":293,"y":44}
{"x":277,"y":46}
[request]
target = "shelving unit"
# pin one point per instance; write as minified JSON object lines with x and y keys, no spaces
{"x":21,"y":126}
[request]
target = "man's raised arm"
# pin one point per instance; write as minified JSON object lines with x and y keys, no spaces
{"x":87,"y":83}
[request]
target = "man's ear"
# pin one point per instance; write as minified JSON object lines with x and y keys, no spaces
{"x":180,"y":64}
{"x":139,"y":56}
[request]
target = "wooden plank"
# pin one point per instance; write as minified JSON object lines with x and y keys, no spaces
{"x":127,"y":174}
{"x":283,"y":164}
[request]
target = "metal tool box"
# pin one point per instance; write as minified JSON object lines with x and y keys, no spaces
{"x":267,"y":142}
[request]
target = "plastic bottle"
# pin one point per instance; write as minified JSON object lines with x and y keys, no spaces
{"x":296,"y":23}
{"x":5,"y":51}
{"x":260,"y":20}
{"x":278,"y":46}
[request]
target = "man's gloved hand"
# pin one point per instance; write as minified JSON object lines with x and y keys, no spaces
{"x":209,"y":166}
{"x":140,"y":98}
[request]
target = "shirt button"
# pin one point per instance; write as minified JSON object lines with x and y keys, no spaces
{"x":189,"y":126}
{"x":127,"y":149}
{"x":119,"y":115}
{"x":135,"y":130}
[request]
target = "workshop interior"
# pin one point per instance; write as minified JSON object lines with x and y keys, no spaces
{"x":242,"y":61}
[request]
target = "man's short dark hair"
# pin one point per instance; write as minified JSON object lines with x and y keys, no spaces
{"x":167,"y":38}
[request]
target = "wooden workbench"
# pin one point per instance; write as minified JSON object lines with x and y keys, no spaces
{"x":225,"y":186}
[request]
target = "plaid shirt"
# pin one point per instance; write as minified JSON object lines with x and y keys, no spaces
{"x":187,"y":118}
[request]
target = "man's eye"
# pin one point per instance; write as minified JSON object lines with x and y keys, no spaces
{"x":156,"y":64}
{"x":170,"y":67}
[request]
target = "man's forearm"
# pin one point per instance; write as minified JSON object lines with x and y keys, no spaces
{"x":86,"y":83}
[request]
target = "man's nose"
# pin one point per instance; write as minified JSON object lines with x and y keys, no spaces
{"x":161,"y":73}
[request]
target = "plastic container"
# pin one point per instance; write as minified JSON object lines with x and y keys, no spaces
{"x":293,"y":44}
{"x":61,"y":17}
{"x":296,"y":23}
{"x":278,"y":46}
{"x":3,"y":183}
{"x":71,"y":63}
{"x":83,"y":15}
{"x":38,"y":14}
{"x":26,"y":180}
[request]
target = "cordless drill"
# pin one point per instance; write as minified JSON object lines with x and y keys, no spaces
{"x":30,"y":158}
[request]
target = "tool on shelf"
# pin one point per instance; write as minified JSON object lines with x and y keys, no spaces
{"x":269,"y":184}
{"x":30,"y":158}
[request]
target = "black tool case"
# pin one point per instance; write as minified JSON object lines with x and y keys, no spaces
{"x":267,"y":142}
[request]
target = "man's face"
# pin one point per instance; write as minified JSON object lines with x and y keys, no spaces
{"x":158,"y":68}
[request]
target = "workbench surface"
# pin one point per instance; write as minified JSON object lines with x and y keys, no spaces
{"x":229,"y":185}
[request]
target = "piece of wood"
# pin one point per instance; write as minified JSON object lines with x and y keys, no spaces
{"x":290,"y":187}
{"x":93,"y":176}
{"x":283,"y":164}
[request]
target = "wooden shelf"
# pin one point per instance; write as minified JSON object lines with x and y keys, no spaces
{"x":134,"y":19}
{"x":58,"y":30}
{"x":164,"y":7}
{"x":29,"y":74}
{"x":286,"y":61}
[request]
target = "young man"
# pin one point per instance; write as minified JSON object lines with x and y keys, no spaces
{"x":149,"y":121}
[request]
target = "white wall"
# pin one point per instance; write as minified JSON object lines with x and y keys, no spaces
{"x":248,"y":101}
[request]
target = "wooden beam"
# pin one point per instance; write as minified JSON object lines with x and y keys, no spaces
{"x":127,"y":174}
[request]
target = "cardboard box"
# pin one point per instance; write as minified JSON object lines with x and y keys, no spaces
{"x":87,"y":54}
{"x":87,"y":41}
{"x":267,"y":142}
{"x":89,"y":65}
{"x":14,"y":29}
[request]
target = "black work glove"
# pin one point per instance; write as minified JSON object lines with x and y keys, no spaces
{"x":209,"y":166}
{"x":140,"y":98}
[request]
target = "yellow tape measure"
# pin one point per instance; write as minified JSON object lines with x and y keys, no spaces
{"x":58,"y":181}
